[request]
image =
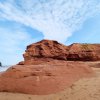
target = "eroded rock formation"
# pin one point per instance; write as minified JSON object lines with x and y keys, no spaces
{"x":46,"y":68}
{"x":43,"y":78}
{"x":84,"y":52}
{"x":46,"y":50}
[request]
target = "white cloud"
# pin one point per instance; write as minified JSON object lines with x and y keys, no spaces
{"x":12,"y":44}
{"x":56,"y":19}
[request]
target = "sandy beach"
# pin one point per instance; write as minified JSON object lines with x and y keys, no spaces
{"x":84,"y":89}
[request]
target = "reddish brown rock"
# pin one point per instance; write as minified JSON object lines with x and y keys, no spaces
{"x":47,"y":50}
{"x":44,"y":50}
{"x":42,"y":79}
{"x":84,"y":52}
{"x":46,"y":69}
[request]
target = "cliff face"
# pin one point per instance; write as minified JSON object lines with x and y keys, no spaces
{"x":0,"y":64}
{"x":47,"y":50}
{"x":45,"y":69}
{"x":84,"y":52}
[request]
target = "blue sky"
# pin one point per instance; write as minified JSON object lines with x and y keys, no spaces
{"x":89,"y":33}
{"x":23,"y":22}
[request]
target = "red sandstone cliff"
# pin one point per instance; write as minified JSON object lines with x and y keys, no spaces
{"x":46,"y":69}
{"x":84,"y":52}
{"x":47,"y":50}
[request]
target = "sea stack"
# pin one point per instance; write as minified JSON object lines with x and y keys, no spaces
{"x":0,"y":64}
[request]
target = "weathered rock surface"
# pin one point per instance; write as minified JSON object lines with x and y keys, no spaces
{"x":44,"y":51}
{"x":47,"y":50}
{"x":46,"y":68}
{"x":44,"y":78}
{"x":84,"y":52}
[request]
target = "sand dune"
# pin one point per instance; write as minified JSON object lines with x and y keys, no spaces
{"x":84,"y":89}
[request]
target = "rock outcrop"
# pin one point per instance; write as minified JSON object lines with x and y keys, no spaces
{"x":0,"y":64}
{"x":84,"y":52}
{"x":43,"y":78}
{"x":46,"y":68}
{"x":47,"y":50}
{"x":44,"y":51}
